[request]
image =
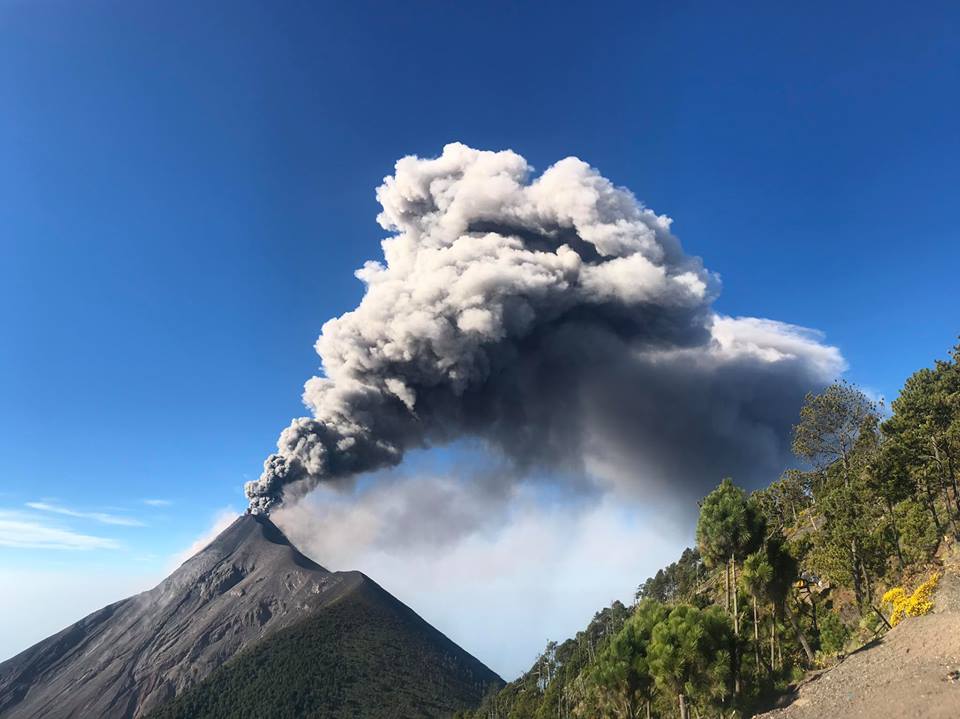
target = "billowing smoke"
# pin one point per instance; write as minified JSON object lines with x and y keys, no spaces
{"x":554,"y":318}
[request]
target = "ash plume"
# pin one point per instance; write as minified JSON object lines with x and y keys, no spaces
{"x":555,"y":318}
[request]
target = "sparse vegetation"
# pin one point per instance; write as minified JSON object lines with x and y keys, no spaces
{"x":917,"y":604}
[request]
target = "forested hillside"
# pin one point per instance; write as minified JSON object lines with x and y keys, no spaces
{"x":782,"y":580}
{"x":365,"y":657}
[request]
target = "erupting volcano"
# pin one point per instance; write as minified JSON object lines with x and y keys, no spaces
{"x":248,"y":590}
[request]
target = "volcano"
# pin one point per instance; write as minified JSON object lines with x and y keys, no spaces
{"x":249,"y":626}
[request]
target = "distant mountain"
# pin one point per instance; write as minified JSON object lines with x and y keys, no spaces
{"x":273,"y":634}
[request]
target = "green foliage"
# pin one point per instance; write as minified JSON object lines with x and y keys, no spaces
{"x":838,"y":433}
{"x":619,"y":682}
{"x":784,"y":501}
{"x":872,"y":503}
{"x":833,"y":634}
{"x":923,"y":440}
{"x":675,"y":583}
{"x":690,"y":654}
{"x":830,"y":424}
{"x":757,"y":576}
{"x":729,"y":524}
{"x":528,"y":697}
{"x":918,"y":535}
{"x":363,"y":659}
{"x":785,"y":569}
{"x":850,"y":543}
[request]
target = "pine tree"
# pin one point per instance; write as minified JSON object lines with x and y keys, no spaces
{"x":689,"y":657}
{"x":620,"y":678}
{"x":730,"y":526}
{"x":829,"y":435}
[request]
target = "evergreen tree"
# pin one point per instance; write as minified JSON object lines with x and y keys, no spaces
{"x":873,"y":500}
{"x":756,"y":580}
{"x":690,"y":656}
{"x":830,"y":436}
{"x":677,"y":582}
{"x":785,"y":501}
{"x":620,"y":678}
{"x":730,"y":526}
{"x":924,"y":437}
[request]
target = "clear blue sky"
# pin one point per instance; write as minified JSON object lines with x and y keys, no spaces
{"x":187,"y":187}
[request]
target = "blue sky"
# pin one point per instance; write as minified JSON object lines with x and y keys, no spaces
{"x":186,"y":189}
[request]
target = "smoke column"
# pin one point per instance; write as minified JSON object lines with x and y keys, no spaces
{"x":555,"y":318}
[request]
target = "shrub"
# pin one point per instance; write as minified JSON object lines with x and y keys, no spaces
{"x":833,"y":634}
{"x":914,"y":605}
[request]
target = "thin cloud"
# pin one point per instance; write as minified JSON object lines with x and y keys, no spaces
{"x":21,"y":531}
{"x":537,"y":574}
{"x":221,"y":520}
{"x":102,"y":517}
{"x":157,"y":502}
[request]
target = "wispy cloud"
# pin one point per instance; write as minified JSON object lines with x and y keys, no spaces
{"x":22,"y":531}
{"x":221,"y":520}
{"x":157,"y":502}
{"x":101,"y":517}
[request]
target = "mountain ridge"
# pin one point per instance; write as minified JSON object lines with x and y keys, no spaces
{"x":133,"y":656}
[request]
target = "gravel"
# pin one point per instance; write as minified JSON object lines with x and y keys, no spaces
{"x":914,"y":671}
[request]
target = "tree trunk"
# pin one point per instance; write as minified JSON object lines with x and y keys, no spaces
{"x":756,"y":635}
{"x":868,"y":592}
{"x":882,"y":618}
{"x":855,"y":573}
{"x":726,"y":588}
{"x":799,"y":632}
{"x":931,"y":505}
{"x":896,"y":533}
{"x":736,"y":608}
{"x":773,"y":640}
{"x":952,"y":516}
{"x":953,"y":479}
{"x":736,"y":630}
{"x":854,"y":546}
{"x":683,"y":707}
{"x":813,"y":610}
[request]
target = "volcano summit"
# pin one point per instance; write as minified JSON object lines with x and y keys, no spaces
{"x":335,"y":643}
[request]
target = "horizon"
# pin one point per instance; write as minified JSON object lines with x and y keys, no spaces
{"x":189,"y":191}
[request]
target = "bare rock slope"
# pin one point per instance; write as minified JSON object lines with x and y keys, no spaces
{"x":137,"y":654}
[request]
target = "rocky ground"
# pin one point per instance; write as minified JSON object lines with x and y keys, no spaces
{"x":913,"y":671}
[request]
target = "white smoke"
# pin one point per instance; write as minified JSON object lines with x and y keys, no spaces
{"x":556,"y":319}
{"x":499,"y":579}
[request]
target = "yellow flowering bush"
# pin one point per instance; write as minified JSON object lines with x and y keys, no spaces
{"x":914,"y":605}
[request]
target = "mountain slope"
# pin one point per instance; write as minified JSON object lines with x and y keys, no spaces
{"x":395,"y":666}
{"x":137,"y":654}
{"x":913,"y":671}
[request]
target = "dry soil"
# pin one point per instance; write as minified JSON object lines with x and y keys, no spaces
{"x":913,"y":671}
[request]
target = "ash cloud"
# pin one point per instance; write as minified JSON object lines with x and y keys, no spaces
{"x":558,"y":320}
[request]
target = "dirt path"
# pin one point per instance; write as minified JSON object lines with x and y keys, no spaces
{"x":914,"y":671}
